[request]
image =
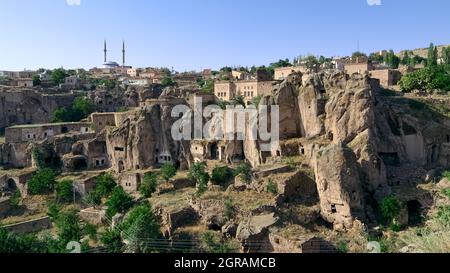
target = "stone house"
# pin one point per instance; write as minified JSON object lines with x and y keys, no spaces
{"x":360,"y":68}
{"x":39,"y":132}
{"x":102,"y":120}
{"x":387,"y":77}
{"x":248,"y":89}
{"x":282,"y":72}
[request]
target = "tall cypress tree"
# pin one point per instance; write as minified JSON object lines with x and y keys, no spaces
{"x":432,"y":55}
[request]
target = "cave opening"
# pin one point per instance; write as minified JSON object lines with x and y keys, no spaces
{"x":414,"y":213}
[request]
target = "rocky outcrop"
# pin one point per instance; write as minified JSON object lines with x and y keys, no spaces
{"x":145,"y":140}
{"x":253,"y":233}
{"x":339,"y":185}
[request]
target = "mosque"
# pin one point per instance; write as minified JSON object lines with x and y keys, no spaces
{"x":111,"y":64}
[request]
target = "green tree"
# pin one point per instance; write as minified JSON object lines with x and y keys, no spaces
{"x":58,"y":76}
{"x":446,"y":55}
{"x":311,"y":62}
{"x":198,"y":173}
{"x":38,"y":157}
{"x":208,"y":86}
{"x":168,"y":170}
{"x":112,"y":241}
{"x":91,"y":231}
{"x":140,"y":227}
{"x":118,"y":202}
{"x":281,"y":63}
{"x":391,"y":60}
{"x":426,"y":79}
{"x":245,"y":170}
{"x":36,"y":80}
{"x":432,"y":59}
{"x":238,"y":100}
{"x":109,"y":84}
{"x":358,"y":54}
{"x":220,"y":175}
{"x":105,"y":185}
{"x":167,"y":81}
{"x":68,"y":227}
{"x":43,"y":182}
{"x":83,"y":105}
{"x":92,"y":198}
{"x":65,"y":191}
{"x":149,"y":185}
{"x":81,"y":108}
{"x":390,"y":209}
{"x":53,"y":210}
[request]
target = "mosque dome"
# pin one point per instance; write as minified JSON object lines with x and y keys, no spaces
{"x":110,"y":65}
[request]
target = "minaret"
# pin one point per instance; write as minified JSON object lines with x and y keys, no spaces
{"x":105,"y":51}
{"x":123,"y":53}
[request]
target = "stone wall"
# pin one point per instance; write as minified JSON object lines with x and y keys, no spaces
{"x":35,"y":225}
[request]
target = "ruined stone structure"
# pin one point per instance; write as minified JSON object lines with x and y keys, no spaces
{"x":25,"y":106}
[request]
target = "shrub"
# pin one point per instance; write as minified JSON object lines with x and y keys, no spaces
{"x":43,"y":182}
{"x":65,"y":191}
{"x":272,"y":187}
{"x":342,"y":247}
{"x":91,"y":231}
{"x":427,"y":79}
{"x":446,"y":174}
{"x":168,"y":170}
{"x":220,"y":175}
{"x":390,"y":209}
{"x":53,"y":210}
{"x":230,"y":210}
{"x":139,"y":227}
{"x":198,"y":173}
{"x":213,"y":243}
{"x":105,"y":184}
{"x":446,"y":192}
{"x":118,"y":202}
{"x":112,"y":241}
{"x":149,"y":185}
{"x":443,"y":216}
{"x":15,"y":199}
{"x":92,"y":198}
{"x":245,"y":170}
{"x":68,"y":227}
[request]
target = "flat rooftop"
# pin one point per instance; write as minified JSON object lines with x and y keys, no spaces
{"x":45,"y":125}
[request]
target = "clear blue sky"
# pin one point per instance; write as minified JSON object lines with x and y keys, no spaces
{"x":195,"y":34}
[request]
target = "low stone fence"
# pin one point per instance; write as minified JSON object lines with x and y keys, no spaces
{"x":34,"y":225}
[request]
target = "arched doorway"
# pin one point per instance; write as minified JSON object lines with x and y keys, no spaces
{"x":64,"y":130}
{"x":121,"y":166}
{"x":214,"y":151}
{"x":414,"y":213}
{"x":11,"y":185}
{"x":79,"y":164}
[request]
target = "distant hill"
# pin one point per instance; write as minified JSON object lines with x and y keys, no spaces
{"x":422,"y":52}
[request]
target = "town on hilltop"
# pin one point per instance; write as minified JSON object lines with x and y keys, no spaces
{"x":362,"y":157}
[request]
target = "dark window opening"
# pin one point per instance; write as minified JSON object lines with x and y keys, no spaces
{"x":390,"y":159}
{"x":64,"y":130}
{"x":214,"y":151}
{"x":333,"y":209}
{"x":414,"y":213}
{"x":119,"y":149}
